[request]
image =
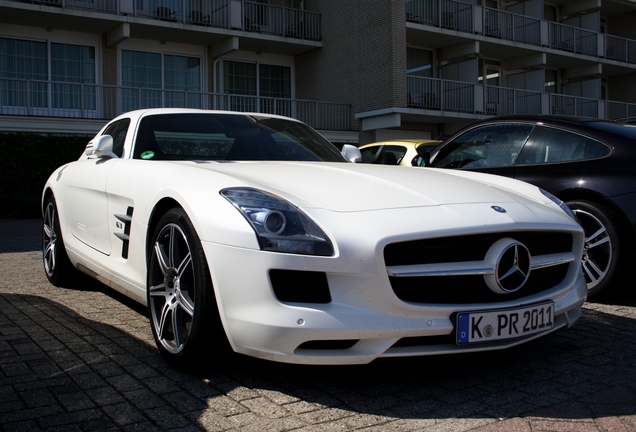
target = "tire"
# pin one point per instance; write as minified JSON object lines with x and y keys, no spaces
{"x":182,"y":308}
{"x":601,"y":253}
{"x":57,"y":266}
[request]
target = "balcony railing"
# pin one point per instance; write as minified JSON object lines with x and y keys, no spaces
{"x":573,"y":39}
{"x":502,"y":100}
{"x":438,"y":94}
{"x":495,"y":23}
{"x":447,"y":14}
{"x":509,"y":26}
{"x":620,"y":49}
{"x":230,"y":14}
{"x":574,"y":106}
{"x":445,"y":95}
{"x":93,"y":101}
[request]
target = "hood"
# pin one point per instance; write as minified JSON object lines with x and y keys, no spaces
{"x":348,"y":187}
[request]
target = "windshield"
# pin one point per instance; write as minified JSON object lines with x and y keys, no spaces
{"x":220,"y":136}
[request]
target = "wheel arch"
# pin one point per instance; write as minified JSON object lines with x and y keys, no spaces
{"x":158,"y":211}
{"x":624,"y":225}
{"x":48,"y":192}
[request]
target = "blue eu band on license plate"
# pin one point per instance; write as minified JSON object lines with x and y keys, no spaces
{"x":504,"y":324}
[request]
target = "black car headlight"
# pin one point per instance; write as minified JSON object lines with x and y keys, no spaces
{"x":561,"y":204}
{"x":279,"y":225}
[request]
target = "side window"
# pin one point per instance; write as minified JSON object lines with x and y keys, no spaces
{"x":487,"y":146}
{"x":554,"y":145}
{"x":118,"y":131}
{"x":368,"y":154}
{"x":392,"y":155}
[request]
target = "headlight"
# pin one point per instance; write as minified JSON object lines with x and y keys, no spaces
{"x":561,"y":204}
{"x":279,"y":225}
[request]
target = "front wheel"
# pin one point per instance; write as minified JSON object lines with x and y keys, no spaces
{"x":183,"y":313}
{"x":57,"y":267}
{"x":601,"y":253}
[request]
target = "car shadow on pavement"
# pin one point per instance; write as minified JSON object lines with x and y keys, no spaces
{"x":95,"y":363}
{"x":83,"y":357}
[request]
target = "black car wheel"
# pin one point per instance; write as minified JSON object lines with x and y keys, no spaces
{"x":183,"y":312}
{"x":57,"y":266}
{"x":602,"y":247}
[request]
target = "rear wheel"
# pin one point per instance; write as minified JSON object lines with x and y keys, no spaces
{"x":183,"y":312}
{"x":57,"y":266}
{"x":601,"y":254}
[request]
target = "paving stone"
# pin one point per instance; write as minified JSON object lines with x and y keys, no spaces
{"x":83,"y":358}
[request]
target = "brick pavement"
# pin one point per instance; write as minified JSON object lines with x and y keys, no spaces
{"x":84,"y":359}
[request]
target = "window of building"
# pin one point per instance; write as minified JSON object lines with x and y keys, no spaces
{"x":29,"y":85}
{"x":419,"y":62}
{"x":156,"y":80}
{"x":489,"y":72}
{"x":550,"y":12}
{"x":551,"y":81}
{"x":257,"y":87}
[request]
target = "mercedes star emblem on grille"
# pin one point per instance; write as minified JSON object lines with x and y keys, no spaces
{"x":511,"y":261}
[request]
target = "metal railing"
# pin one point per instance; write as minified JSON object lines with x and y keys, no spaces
{"x":503,"y":100}
{"x":438,"y":94}
{"x":573,"y":106}
{"x":447,"y":95}
{"x":619,"y":110}
{"x":572,"y":39}
{"x":451,"y":14}
{"x":94,"y":101}
{"x":620,"y":49}
{"x":510,"y":26}
{"x":230,"y":14}
{"x":501,"y":24}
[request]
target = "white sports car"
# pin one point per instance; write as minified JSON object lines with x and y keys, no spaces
{"x":252,"y":232}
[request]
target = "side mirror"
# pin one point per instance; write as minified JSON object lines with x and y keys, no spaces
{"x":101,"y":147}
{"x":352,"y":153}
{"x":423,"y":158}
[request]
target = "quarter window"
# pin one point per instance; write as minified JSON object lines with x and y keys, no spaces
{"x":553,"y":145}
{"x":368,"y":154}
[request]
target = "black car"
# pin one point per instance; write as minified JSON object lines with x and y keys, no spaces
{"x":590,"y":164}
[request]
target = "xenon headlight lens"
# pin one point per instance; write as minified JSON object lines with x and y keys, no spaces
{"x":279,"y":225}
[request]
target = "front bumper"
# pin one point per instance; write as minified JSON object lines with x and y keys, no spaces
{"x":364,"y":319}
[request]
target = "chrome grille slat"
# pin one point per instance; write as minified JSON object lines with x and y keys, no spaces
{"x":471,"y":267}
{"x":451,"y":270}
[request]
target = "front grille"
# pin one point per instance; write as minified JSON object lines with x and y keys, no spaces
{"x":462,"y":289}
{"x":472,"y":247}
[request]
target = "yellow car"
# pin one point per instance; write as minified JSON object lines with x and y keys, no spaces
{"x":396,"y":152}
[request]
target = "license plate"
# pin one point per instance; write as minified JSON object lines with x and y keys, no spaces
{"x":504,"y":324}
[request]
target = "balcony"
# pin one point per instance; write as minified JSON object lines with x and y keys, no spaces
{"x":432,"y":94}
{"x":505,"y":26}
{"x":35,"y":98}
{"x":221,"y":14}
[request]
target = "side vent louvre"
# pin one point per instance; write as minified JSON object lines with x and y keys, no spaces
{"x":125,"y":236}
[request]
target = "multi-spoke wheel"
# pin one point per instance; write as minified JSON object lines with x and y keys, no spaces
{"x":601,"y":253}
{"x":57,"y":266}
{"x":181,"y":302}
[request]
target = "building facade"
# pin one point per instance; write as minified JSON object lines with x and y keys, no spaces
{"x":357,"y":70}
